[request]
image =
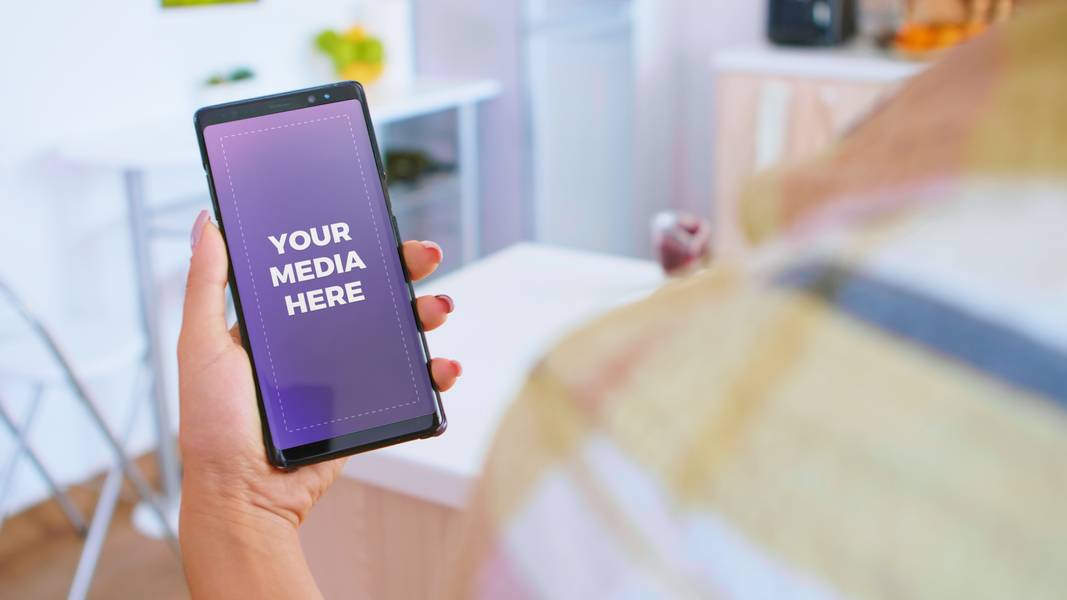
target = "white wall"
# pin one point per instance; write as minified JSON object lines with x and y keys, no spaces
{"x":72,"y":68}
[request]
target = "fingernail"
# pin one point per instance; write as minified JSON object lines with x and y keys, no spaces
{"x":457,"y":367}
{"x":449,"y":304}
{"x":198,"y":229}
{"x":433,"y":247}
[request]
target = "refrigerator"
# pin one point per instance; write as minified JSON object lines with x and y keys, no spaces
{"x":580,"y":85}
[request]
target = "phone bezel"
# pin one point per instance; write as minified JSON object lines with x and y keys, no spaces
{"x":361,"y":441}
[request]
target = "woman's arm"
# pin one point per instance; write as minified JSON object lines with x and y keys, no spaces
{"x":231,"y":552}
{"x":240,"y":515}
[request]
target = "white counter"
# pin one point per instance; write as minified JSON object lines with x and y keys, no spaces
{"x":169,"y":141}
{"x":510,"y":308}
{"x":852,"y":63}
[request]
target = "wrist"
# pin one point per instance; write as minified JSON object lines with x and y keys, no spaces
{"x":234,"y":549}
{"x":240,"y":537}
{"x":239,"y":491}
{"x":230,"y":511}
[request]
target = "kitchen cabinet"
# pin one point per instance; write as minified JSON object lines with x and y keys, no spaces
{"x":777,"y":105}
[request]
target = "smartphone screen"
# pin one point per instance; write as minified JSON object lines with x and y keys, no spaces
{"x":322,"y":296}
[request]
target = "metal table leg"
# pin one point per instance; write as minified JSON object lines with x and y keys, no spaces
{"x":142,"y":256}
{"x":469,"y":180}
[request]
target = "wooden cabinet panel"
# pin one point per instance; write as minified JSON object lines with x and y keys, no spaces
{"x":735,"y":155}
{"x":762,"y":120}
{"x":362,"y":541}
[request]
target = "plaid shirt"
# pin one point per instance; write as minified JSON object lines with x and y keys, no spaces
{"x":875,"y":408}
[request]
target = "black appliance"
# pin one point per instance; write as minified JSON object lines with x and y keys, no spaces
{"x":811,"y":22}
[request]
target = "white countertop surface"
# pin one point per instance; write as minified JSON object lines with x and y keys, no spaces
{"x":169,"y":141}
{"x":510,"y":308}
{"x":851,"y":62}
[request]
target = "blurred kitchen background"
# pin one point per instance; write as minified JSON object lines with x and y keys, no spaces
{"x":568,"y":123}
{"x":597,"y":113}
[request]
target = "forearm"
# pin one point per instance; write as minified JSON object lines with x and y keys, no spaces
{"x":236,"y":553}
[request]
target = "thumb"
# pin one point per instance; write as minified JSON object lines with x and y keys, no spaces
{"x":204,"y":315}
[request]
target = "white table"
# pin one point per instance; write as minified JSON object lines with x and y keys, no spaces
{"x":510,"y":308}
{"x":170,"y":141}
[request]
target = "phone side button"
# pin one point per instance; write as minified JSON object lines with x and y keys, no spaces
{"x":396,"y":228}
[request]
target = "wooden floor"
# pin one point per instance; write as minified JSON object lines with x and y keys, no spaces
{"x":39,"y":550}
{"x":361,"y":542}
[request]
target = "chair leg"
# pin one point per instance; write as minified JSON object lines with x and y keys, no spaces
{"x":22,"y":447}
{"x":8,"y":476}
{"x":94,"y":540}
{"x":104,"y":511}
{"x":81,"y":391}
{"x":140,"y":484}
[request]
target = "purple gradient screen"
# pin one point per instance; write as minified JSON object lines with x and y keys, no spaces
{"x":334,"y":341}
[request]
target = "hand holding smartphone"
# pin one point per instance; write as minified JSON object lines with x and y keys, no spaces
{"x":324,"y":302}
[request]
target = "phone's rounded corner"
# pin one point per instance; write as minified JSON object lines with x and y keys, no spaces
{"x":360,"y":90}
{"x":277,"y":459}
{"x":200,"y":117}
{"x":440,"y":424}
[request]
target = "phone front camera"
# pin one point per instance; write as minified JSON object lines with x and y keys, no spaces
{"x":311,"y":99}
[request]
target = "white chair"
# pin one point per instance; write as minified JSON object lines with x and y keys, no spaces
{"x":32,"y":354}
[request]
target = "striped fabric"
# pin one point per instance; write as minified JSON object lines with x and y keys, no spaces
{"x":877,"y":408}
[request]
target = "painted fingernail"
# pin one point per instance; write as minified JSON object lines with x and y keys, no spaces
{"x":433,"y":247}
{"x":198,"y":229}
{"x":458,"y":368}
{"x":447,"y":300}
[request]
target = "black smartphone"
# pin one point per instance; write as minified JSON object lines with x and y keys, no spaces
{"x":324,"y":302}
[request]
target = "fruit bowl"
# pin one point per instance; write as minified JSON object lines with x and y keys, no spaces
{"x":355,"y":54}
